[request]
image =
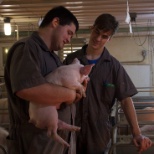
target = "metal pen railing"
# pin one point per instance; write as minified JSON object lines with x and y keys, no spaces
{"x":120,"y":138}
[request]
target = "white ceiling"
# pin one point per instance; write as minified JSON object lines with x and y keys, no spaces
{"x":26,"y":13}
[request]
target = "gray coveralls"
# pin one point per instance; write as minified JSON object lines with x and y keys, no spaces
{"x":29,"y":60}
{"x":108,"y":81}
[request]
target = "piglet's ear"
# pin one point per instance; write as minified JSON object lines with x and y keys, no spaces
{"x":85,"y":70}
{"x":76,"y":61}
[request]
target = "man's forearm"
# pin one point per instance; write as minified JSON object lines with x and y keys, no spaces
{"x":129,"y":111}
{"x":47,"y":94}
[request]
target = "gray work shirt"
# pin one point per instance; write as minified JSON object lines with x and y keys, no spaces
{"x":29,"y":60}
{"x":108,"y":81}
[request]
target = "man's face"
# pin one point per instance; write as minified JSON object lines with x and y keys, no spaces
{"x":98,"y":38}
{"x":62,"y":36}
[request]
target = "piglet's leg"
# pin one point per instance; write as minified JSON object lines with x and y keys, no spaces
{"x":64,"y":126}
{"x":56,"y":137}
{"x":52,"y":132}
{"x":81,"y":87}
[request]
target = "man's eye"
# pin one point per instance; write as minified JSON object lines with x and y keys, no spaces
{"x":105,"y":36}
{"x":96,"y":31}
{"x":70,"y":33}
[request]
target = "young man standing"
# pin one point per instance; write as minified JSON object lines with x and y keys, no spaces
{"x":108,"y":81}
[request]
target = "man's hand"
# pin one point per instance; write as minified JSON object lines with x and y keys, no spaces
{"x":80,"y":94}
{"x":85,"y":83}
{"x":142,"y":143}
{"x":78,"y":97}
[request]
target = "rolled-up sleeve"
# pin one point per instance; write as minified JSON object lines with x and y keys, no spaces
{"x":25,"y":68}
{"x":124,"y":85}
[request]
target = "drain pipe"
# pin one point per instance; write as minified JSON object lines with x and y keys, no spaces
{"x":143,"y":53}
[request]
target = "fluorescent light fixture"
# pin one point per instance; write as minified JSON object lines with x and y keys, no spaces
{"x":7,"y":26}
{"x":40,"y":21}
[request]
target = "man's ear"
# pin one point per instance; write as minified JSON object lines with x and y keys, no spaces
{"x":110,"y":38}
{"x":55,"y":22}
{"x":91,"y":27}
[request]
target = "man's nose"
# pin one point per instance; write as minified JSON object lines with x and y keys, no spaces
{"x":68,"y":39}
{"x":99,"y":38}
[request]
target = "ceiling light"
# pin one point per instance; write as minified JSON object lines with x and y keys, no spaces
{"x":128,"y":19}
{"x":7,"y":26}
{"x":40,"y":21}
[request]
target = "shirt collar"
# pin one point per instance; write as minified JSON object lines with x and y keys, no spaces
{"x":104,"y":57}
{"x":38,"y":39}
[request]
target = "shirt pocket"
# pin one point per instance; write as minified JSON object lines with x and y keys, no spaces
{"x":108,"y":92}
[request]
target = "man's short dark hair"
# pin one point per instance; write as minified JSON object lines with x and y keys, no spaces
{"x":65,"y":17}
{"x":106,"y":22}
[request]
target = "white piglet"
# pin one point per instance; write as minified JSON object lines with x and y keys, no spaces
{"x":70,"y":76}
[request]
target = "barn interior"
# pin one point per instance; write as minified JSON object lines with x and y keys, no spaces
{"x":132,"y":45}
